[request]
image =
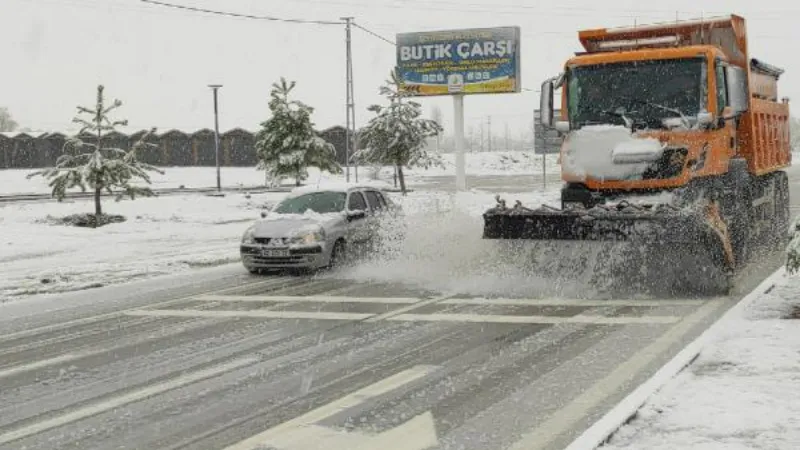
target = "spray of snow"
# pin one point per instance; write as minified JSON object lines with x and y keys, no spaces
{"x":443,"y":251}
{"x":608,"y":152}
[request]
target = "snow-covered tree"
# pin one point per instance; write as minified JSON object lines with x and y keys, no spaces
{"x":398,"y":133}
{"x":7,"y":123}
{"x":91,"y":163}
{"x":287,"y":144}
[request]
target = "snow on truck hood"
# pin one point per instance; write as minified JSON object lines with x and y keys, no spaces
{"x":609,"y":152}
{"x":283,"y":225}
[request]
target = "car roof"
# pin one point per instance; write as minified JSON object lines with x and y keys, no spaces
{"x":334,"y":187}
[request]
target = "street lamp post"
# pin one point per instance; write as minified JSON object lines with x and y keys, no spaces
{"x":215,"y":87}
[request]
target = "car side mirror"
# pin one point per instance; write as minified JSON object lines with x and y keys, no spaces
{"x":356,"y":214}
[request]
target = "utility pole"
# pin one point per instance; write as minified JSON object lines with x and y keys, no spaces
{"x":481,"y":138}
{"x":215,"y":87}
{"x":489,"y":131}
{"x":351,"y":108}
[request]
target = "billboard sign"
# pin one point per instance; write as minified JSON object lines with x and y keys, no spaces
{"x":471,"y":61}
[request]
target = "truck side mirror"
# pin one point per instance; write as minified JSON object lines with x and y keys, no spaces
{"x":546,"y":104}
{"x":738,"y":92}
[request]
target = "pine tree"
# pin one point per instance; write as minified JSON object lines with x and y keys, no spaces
{"x":93,"y":164}
{"x":398,"y":133}
{"x":287,"y":144}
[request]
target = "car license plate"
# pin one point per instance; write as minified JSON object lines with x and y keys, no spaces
{"x":273,"y":253}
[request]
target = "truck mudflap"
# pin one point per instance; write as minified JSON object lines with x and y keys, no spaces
{"x":682,"y":247}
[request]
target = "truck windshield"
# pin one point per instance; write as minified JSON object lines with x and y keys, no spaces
{"x":644,"y":92}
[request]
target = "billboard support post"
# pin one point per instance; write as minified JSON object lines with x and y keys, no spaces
{"x":458,"y":63}
{"x":458,"y":109}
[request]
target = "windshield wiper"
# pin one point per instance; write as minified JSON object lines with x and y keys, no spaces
{"x":620,"y":113}
{"x":661,"y":107}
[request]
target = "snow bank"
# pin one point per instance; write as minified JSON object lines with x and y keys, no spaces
{"x":741,"y":393}
{"x":608,"y":152}
{"x":161,"y":236}
{"x":14,"y":181}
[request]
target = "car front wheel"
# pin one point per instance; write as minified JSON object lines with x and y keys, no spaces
{"x":337,"y":255}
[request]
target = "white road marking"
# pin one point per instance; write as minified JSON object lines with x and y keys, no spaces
{"x":39,"y":364}
{"x":90,"y":319}
{"x":309,"y":419}
{"x":408,"y":308}
{"x":16,"y":370}
{"x":501,"y":318}
{"x":569,"y":302}
{"x":565,"y":418}
{"x":263,"y":314}
{"x":418,"y":433}
{"x":123,"y":400}
{"x":448,"y":301}
{"x":307,"y":299}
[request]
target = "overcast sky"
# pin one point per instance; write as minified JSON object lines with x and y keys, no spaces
{"x":158,"y":61}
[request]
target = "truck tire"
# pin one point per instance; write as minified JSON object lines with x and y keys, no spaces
{"x":736,"y":202}
{"x":782,"y":218}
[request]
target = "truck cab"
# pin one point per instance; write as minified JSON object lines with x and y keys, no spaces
{"x":651,"y":108}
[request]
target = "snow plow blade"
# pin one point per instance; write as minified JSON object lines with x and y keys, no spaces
{"x":657,"y":248}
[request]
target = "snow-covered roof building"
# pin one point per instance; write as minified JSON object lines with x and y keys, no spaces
{"x":170,"y":147}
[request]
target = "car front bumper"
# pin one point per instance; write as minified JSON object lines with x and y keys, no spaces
{"x":255,"y":256}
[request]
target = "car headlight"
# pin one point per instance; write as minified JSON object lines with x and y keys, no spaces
{"x":247,"y":237}
{"x":309,"y":236}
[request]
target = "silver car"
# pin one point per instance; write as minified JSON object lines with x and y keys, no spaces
{"x":315,"y":228}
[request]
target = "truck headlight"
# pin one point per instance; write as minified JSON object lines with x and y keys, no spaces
{"x":309,"y":236}
{"x":247,"y":237}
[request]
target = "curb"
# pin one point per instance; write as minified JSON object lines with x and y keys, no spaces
{"x":599,"y":433}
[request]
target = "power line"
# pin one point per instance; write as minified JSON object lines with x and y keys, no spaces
{"x":374,"y":34}
{"x":239,"y":15}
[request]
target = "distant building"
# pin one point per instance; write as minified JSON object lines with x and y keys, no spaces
{"x":171,"y":147}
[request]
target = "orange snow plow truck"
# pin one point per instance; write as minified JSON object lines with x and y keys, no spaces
{"x":674,"y":141}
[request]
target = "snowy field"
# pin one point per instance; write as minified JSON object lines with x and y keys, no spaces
{"x":741,"y":393}
{"x":178,"y":233}
{"x":14,"y":181}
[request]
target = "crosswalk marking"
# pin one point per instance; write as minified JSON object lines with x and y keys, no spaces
{"x":263,"y":314}
{"x":502,"y":318}
{"x":450,"y":301}
{"x":407,"y":317}
{"x":307,"y":299}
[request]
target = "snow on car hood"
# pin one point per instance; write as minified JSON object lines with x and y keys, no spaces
{"x":284,"y":225}
{"x":609,"y":152}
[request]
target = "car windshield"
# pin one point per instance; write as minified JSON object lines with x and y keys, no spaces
{"x":319,"y":202}
{"x":641,"y":91}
